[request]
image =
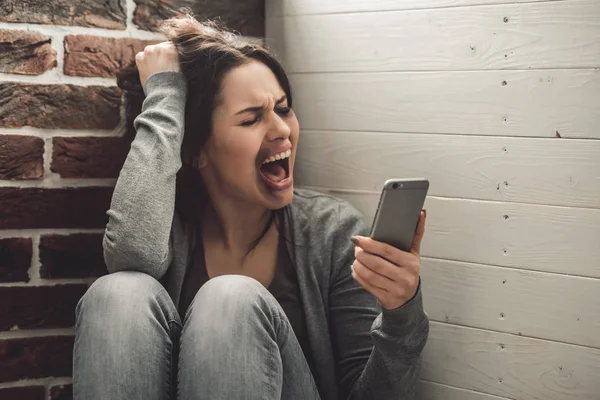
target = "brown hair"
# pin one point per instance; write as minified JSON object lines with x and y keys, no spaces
{"x":207,"y":51}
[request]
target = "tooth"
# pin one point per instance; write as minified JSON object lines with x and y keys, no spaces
{"x":271,"y":159}
{"x":278,"y":156}
{"x":289,"y":153}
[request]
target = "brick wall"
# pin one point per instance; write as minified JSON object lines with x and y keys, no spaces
{"x":61,"y":149}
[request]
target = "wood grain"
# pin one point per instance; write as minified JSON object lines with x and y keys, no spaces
{"x":511,"y":366}
{"x":438,"y":391}
{"x":536,"y":103}
{"x":277,"y":8}
{"x":525,"y":236}
{"x":540,"y":171}
{"x":562,"y":34}
{"x":535,"y":304}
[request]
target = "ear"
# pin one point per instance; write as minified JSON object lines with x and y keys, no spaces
{"x":200,"y":161}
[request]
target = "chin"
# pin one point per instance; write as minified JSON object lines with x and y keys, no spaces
{"x":277,"y":199}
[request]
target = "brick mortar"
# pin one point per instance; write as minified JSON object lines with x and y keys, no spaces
{"x":27,"y":233}
{"x":35,"y":333}
{"x":48,"y":382}
{"x":34,"y":268}
{"x":60,"y":183}
{"x":51,"y":30}
{"x":50,"y":282}
{"x":50,"y":133}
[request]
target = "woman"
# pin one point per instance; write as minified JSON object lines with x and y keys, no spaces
{"x":226,"y":282}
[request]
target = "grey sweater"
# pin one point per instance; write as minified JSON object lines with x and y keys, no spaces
{"x":359,"y":352}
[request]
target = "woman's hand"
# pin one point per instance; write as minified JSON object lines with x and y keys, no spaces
{"x":390,"y":274}
{"x":157,"y":58}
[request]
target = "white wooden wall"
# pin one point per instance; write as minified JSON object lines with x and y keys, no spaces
{"x":497,"y":102}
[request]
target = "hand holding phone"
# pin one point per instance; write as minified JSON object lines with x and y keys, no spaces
{"x":387,"y":264}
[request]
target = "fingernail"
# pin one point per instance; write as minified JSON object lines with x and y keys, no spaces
{"x":354,"y":240}
{"x":425,"y":212}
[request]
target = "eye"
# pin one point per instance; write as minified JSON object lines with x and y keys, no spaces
{"x":250,"y":122}
{"x":283,"y":110}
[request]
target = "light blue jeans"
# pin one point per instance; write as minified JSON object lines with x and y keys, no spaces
{"x":235,"y":342}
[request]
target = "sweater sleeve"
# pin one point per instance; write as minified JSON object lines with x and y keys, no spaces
{"x":378,"y":354}
{"x":138,"y":233}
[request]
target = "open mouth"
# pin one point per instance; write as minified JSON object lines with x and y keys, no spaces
{"x":275,"y":170}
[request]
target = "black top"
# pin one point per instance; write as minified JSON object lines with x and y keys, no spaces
{"x":284,"y":287}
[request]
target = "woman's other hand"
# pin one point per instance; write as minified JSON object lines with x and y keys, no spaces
{"x":157,"y":58}
{"x":390,"y":274}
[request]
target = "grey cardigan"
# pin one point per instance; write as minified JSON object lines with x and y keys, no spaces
{"x":359,"y":351}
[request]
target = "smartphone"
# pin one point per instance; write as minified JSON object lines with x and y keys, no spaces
{"x":398,"y":211}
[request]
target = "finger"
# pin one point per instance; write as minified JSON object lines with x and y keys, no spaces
{"x":419,"y":232}
{"x":371,"y":277}
{"x":375,"y":291}
{"x":378,"y":265}
{"x":381,"y":249}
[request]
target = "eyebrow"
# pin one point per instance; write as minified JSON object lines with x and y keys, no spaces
{"x":260,"y":108}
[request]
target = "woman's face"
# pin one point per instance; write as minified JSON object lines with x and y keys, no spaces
{"x":250,"y":154}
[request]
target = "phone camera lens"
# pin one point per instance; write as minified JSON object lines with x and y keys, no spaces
{"x":395,"y":186}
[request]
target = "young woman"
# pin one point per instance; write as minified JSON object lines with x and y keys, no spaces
{"x":226,"y":282}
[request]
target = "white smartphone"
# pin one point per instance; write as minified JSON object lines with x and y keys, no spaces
{"x":398,"y":211}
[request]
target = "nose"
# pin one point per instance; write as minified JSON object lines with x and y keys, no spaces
{"x":278,"y":129}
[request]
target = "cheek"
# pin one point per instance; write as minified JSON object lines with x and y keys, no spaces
{"x":294,"y":126}
{"x":237,"y":153}
{"x":294,"y":135}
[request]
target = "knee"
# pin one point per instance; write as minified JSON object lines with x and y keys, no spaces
{"x":231,"y":290}
{"x":232,"y":297}
{"x":120,"y":295}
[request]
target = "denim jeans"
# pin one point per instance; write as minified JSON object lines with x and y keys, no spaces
{"x":235,"y":342}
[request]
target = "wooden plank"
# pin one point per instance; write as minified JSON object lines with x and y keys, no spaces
{"x":511,"y":366}
{"x":536,"y":103}
{"x":533,"y":237}
{"x":277,"y":8}
{"x":563,"y":34}
{"x":438,"y":391}
{"x":535,"y":304}
{"x":549,"y":171}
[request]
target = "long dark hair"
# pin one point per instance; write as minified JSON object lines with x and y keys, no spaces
{"x":207,"y":51}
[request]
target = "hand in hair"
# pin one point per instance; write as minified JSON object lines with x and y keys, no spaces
{"x":157,"y":58}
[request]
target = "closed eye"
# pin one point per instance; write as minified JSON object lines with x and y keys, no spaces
{"x":283,"y":111}
{"x":250,"y":122}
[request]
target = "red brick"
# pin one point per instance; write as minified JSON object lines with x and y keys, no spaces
{"x":245,"y":16}
{"x":87,"y":55}
{"x":72,"y":256}
{"x":37,"y":357}
{"x":89,"y":157}
{"x":63,"y":392}
{"x":15,"y":259}
{"x":30,"y":307}
{"x":23,"y":393}
{"x":59,"y":106}
{"x":109,"y":14}
{"x":25,"y":52}
{"x":21,"y":157}
{"x":30,"y":208}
